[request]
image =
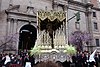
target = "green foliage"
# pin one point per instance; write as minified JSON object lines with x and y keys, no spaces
{"x":71,"y":50}
{"x":35,"y":50}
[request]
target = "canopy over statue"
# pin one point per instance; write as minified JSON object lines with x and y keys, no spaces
{"x":50,"y":21}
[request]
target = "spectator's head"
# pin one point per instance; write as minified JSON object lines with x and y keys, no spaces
{"x":47,"y":64}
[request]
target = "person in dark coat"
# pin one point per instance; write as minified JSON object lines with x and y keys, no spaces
{"x":32,"y":60}
{"x":78,"y":61}
{"x":27,"y":61}
{"x":84,"y":60}
{"x":66,"y":63}
{"x":96,"y":59}
{"x":0,"y":60}
{"x":92,"y":64}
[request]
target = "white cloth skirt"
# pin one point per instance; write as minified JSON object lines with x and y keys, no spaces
{"x":28,"y":64}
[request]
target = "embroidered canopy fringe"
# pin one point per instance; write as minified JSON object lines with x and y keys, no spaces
{"x":52,"y":15}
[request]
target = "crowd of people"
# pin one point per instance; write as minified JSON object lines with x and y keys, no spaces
{"x":20,"y":58}
{"x":81,"y":59}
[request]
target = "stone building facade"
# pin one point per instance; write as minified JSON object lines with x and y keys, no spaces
{"x":95,"y":20}
{"x":17,"y":16}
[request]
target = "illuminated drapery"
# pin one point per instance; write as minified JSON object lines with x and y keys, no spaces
{"x":53,"y":19}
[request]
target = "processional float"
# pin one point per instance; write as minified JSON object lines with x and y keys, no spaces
{"x":51,"y":36}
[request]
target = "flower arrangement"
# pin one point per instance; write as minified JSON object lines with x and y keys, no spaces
{"x":35,"y":50}
{"x":71,"y":50}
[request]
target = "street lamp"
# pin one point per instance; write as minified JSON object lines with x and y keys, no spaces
{"x":77,"y":15}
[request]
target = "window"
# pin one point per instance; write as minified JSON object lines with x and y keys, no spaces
{"x":97,"y":42}
{"x":94,"y":14}
{"x":77,"y":25}
{"x":95,"y":26}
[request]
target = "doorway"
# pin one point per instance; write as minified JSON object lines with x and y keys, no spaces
{"x":27,"y":37}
